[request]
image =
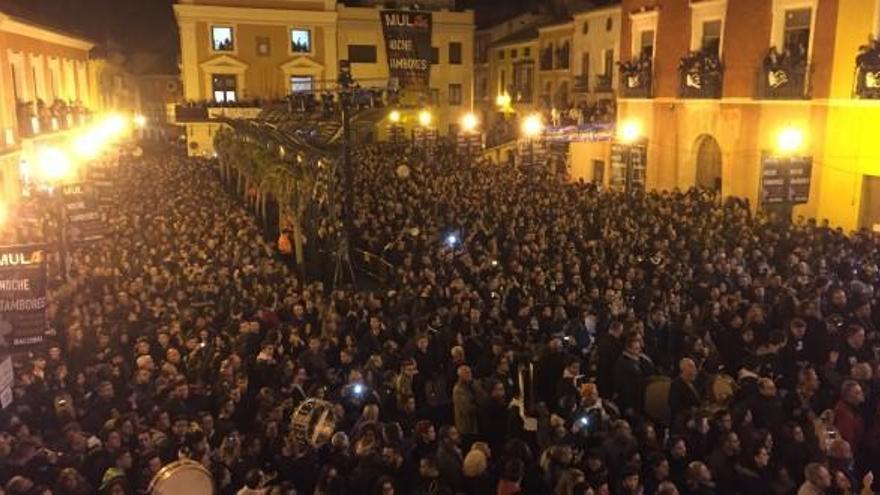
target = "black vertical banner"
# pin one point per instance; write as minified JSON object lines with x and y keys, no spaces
{"x":408,"y":46}
{"x":22,"y":296}
{"x":85,"y":222}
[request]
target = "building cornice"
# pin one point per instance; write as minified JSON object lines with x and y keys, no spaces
{"x":15,"y":26}
{"x":241,"y":15}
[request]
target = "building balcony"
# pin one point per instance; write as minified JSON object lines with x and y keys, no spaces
{"x":603,"y":84}
{"x":701,"y":76}
{"x":637,"y":78}
{"x":783,"y":78}
{"x":36,"y":119}
{"x":868,"y":82}
{"x":868,"y":71}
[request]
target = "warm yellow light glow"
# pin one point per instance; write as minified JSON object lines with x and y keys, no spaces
{"x":115,"y":125}
{"x":53,"y":164}
{"x":469,"y":122}
{"x":790,"y":140}
{"x":394,"y":116}
{"x":502,"y":100}
{"x":425,"y":118}
{"x":140,"y":120}
{"x":4,"y":214}
{"x":88,"y":145}
{"x":630,"y":131}
{"x":532,"y":125}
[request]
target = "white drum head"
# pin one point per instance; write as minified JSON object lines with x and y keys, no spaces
{"x":182,"y":477}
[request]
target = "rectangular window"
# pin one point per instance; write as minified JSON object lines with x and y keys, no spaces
{"x":796,"y":39}
{"x":482,"y":88}
{"x":300,"y":84}
{"x":502,"y":81}
{"x":435,"y":96}
{"x":646,"y":43}
{"x":527,"y":52}
{"x":585,"y":65}
{"x":223,"y":86}
{"x":455,"y":53}
{"x":711,"y":42}
{"x":362,"y":54}
{"x":263,"y":46}
{"x":608,"y":65}
{"x":300,"y":41}
{"x":513,"y":53}
{"x":501,"y":54}
{"x":455,"y":94}
{"x":221,"y":39}
{"x":435,"y":55}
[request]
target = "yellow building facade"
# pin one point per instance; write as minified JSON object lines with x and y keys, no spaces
{"x":720,"y":139}
{"x":266,"y":49}
{"x":37,"y":64}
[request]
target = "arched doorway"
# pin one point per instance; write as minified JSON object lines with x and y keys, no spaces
{"x":708,"y":163}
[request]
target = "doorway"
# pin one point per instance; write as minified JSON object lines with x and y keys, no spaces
{"x":708,"y":163}
{"x":870,"y":214}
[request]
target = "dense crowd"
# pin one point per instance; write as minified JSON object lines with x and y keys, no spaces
{"x":520,"y":347}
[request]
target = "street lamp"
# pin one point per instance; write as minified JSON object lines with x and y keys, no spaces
{"x":502,"y":101}
{"x":53,"y":164}
{"x":469,"y":122}
{"x":532,"y":126}
{"x":425,"y":118}
{"x":630,"y":131}
{"x":394,"y":117}
{"x":789,"y":140}
{"x":140,"y":121}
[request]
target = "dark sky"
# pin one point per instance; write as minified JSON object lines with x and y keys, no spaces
{"x":148,"y":26}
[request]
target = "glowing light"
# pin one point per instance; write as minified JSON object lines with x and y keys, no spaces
{"x":790,"y":140}
{"x":4,"y":214}
{"x":53,"y":164}
{"x":425,"y":118}
{"x":358,"y":389}
{"x":394,"y":116}
{"x":630,"y":131}
{"x":140,"y":120}
{"x":502,"y":100}
{"x":532,"y":125}
{"x":469,"y":122}
{"x":88,"y":145}
{"x":451,"y":240}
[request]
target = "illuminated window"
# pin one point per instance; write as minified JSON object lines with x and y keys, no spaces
{"x":221,"y":39}
{"x":300,"y":41}
{"x":300,"y":84}
{"x":796,"y":39}
{"x":224,"y":87}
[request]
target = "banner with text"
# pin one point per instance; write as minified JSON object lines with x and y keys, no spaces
{"x":408,"y":46}
{"x":85,"y":221}
{"x":22,"y":296}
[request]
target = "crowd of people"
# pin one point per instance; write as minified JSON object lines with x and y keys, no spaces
{"x":517,"y":348}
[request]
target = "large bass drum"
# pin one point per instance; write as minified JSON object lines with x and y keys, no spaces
{"x":183,"y":477}
{"x":313,"y":423}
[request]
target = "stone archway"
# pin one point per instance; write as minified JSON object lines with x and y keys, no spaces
{"x":708,"y":163}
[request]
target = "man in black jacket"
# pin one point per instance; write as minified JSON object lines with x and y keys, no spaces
{"x":630,"y":372}
{"x":684,"y":396}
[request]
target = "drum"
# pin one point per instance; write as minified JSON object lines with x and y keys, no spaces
{"x":657,"y":398}
{"x":183,"y":476}
{"x":313,"y":423}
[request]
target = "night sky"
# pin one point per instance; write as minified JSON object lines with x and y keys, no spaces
{"x":145,"y":30}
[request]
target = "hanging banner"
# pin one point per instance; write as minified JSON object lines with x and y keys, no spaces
{"x":786,"y":179}
{"x":22,"y":296}
{"x":408,"y":47}
{"x":85,"y":222}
